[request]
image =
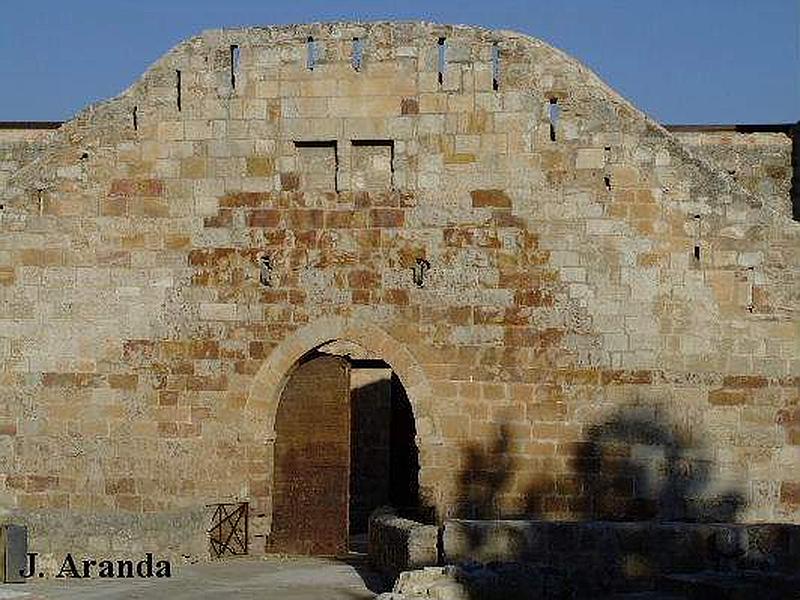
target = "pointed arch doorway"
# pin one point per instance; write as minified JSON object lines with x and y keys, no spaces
{"x":344,"y":445}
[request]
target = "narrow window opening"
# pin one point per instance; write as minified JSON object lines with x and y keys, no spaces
{"x":358,"y":53}
{"x":750,"y":299}
{"x":697,"y":244}
{"x":555,"y":113}
{"x":495,"y":66}
{"x":178,"y":89}
{"x":136,"y":118}
{"x":234,"y":64}
{"x":607,"y":182}
{"x":442,"y":59}
{"x":311,"y":56}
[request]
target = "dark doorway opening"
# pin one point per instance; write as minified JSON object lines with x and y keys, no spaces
{"x":384,"y":460}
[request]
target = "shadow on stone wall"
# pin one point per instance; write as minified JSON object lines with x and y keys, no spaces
{"x":627,"y":468}
{"x":484,"y":477}
{"x":631,"y":469}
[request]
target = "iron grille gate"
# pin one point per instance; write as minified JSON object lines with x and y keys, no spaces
{"x":228,"y":532}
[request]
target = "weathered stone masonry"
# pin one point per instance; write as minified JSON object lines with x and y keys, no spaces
{"x":609,"y":318}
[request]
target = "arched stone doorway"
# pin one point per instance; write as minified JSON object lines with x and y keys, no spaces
{"x":345,"y":444}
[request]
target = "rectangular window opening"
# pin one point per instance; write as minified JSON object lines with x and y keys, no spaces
{"x":311,"y":55}
{"x":697,"y":252}
{"x":235,"y":57}
{"x":369,"y":166}
{"x":607,"y":182}
{"x":554,"y":114}
{"x":315,"y":170}
{"x":178,"y":89}
{"x":442,"y":60}
{"x":358,"y":53}
{"x":135,"y":118}
{"x":495,"y":66}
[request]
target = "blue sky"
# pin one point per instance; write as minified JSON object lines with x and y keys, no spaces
{"x":681,"y":61}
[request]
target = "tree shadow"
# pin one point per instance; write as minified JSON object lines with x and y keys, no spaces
{"x":632,"y":469}
{"x":484,"y":476}
{"x":626,"y":469}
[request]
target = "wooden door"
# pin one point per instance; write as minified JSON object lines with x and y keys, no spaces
{"x":312,"y":460}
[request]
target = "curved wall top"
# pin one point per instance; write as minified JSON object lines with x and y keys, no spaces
{"x":531,"y":73}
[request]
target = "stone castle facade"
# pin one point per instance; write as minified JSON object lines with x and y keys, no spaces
{"x":591,"y":316}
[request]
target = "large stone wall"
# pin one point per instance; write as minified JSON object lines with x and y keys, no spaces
{"x":761,"y":161}
{"x":20,"y":143}
{"x":608,"y":327}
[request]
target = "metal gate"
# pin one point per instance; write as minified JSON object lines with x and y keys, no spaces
{"x":228,"y":532}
